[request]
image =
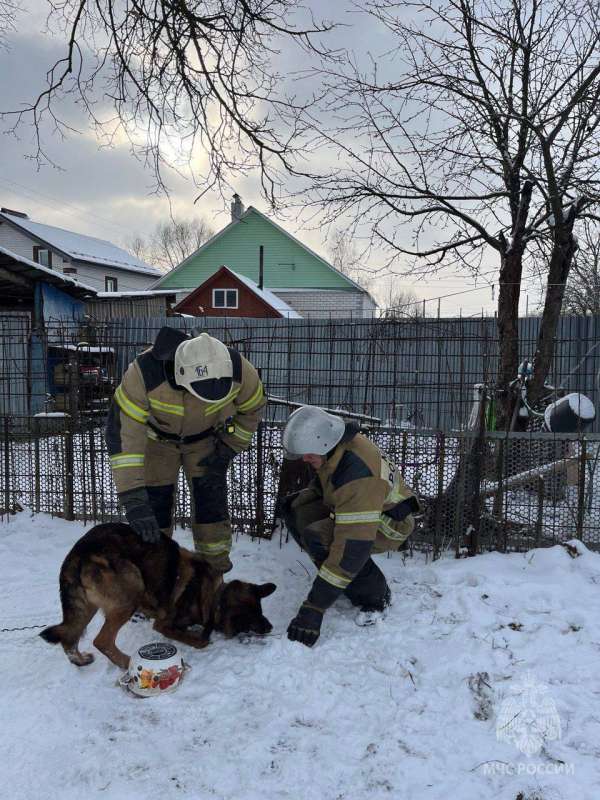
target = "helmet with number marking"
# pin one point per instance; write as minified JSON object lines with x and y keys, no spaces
{"x":203,"y":366}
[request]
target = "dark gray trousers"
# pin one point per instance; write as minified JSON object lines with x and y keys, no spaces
{"x":312,"y":528}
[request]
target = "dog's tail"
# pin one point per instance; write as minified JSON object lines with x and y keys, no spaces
{"x":53,"y":634}
{"x":76,"y":608}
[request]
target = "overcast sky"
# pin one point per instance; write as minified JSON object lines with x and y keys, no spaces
{"x":106,"y":192}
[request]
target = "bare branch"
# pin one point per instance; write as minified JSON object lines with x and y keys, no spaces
{"x":183,"y":79}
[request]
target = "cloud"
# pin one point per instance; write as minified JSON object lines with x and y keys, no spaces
{"x":107,"y":192}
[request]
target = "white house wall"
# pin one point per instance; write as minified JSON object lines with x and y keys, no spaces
{"x":91,"y":274}
{"x":328,"y":303}
{"x":22,"y":245}
{"x":94,"y":275}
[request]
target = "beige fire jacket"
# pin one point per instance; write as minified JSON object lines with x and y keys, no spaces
{"x":148,"y":403}
{"x":371,"y":506}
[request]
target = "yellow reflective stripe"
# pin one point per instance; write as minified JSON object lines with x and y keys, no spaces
{"x":242,"y":433}
{"x":333,"y":578}
{"x":352,"y":518}
{"x":131,"y":409}
{"x":127,"y":460}
{"x":168,"y":408}
{"x":390,"y":532}
{"x":212,"y":408}
{"x":253,"y":401}
{"x":396,"y":496}
{"x":213,"y":548}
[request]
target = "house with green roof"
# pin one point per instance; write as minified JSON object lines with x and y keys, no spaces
{"x":291,"y":270}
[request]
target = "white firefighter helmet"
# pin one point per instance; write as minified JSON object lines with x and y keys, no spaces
{"x":311,"y":430}
{"x":203,"y":367}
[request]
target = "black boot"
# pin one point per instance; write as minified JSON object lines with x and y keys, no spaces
{"x":375,"y":611}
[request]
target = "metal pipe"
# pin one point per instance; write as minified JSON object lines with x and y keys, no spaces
{"x":261,"y":264}
{"x":338,"y":412}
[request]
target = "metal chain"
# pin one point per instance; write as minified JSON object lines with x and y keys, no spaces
{"x":24,"y":628}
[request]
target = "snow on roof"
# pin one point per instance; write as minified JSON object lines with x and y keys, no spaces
{"x":140,"y":293}
{"x":57,"y":277}
{"x":84,"y":347}
{"x":265,"y":294}
{"x":81,"y":247}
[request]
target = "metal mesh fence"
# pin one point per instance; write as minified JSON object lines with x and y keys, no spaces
{"x":505,"y":492}
{"x":417,"y":373}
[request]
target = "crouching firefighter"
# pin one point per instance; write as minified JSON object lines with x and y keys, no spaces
{"x":356,"y":505}
{"x":185,"y":402}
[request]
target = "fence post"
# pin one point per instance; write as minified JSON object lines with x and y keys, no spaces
{"x":93,"y":474}
{"x":460,"y":497}
{"x":36,"y":464}
{"x":440,"y":491}
{"x":581,"y":489}
{"x":69,"y":432}
{"x":6,"y":467}
{"x":540,"y":509}
{"x":475,"y":474}
{"x":260,"y":483}
{"x":499,"y":494}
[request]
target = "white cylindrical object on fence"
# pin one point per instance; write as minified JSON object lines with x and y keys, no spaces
{"x":569,"y":414}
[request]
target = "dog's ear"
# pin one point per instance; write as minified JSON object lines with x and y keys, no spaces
{"x":264,"y":590}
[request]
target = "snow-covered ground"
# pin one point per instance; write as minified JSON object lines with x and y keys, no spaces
{"x":411,"y":708}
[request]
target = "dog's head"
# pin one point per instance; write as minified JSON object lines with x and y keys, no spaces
{"x":240,"y":610}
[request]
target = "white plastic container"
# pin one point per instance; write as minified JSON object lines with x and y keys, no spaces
{"x":156,"y":668}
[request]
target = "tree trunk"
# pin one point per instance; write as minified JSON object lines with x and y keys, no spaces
{"x":508,"y":333}
{"x":511,"y":269}
{"x":560,"y":265}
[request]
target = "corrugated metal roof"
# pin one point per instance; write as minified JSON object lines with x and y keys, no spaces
{"x":81,"y":247}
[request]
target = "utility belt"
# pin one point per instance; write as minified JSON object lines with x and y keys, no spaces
{"x":226,"y":427}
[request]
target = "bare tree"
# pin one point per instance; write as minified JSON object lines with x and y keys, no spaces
{"x":139,"y":247}
{"x":178,"y":75}
{"x":400,"y":302}
{"x":345,"y":257}
{"x":171,"y":242}
{"x":8,"y":19}
{"x":582,"y":295}
{"x":488,"y":140}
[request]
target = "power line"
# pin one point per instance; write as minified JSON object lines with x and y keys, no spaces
{"x":440,"y":297}
{"x":80,"y":212}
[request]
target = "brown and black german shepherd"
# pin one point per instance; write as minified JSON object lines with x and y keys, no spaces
{"x":111,"y":569}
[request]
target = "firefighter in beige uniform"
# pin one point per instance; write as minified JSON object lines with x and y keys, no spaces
{"x":185,"y":402}
{"x":357,"y":504}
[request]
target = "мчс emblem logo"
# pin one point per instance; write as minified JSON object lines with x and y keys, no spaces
{"x":202,"y":372}
{"x":528,"y":716}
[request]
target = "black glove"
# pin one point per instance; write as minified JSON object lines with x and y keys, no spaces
{"x":306,"y":625}
{"x":286,"y":503}
{"x":139,"y":514}
{"x":219,"y":459}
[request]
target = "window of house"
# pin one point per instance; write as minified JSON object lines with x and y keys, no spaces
{"x":43,"y":256}
{"x":225,"y":298}
{"x":110,"y":284}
